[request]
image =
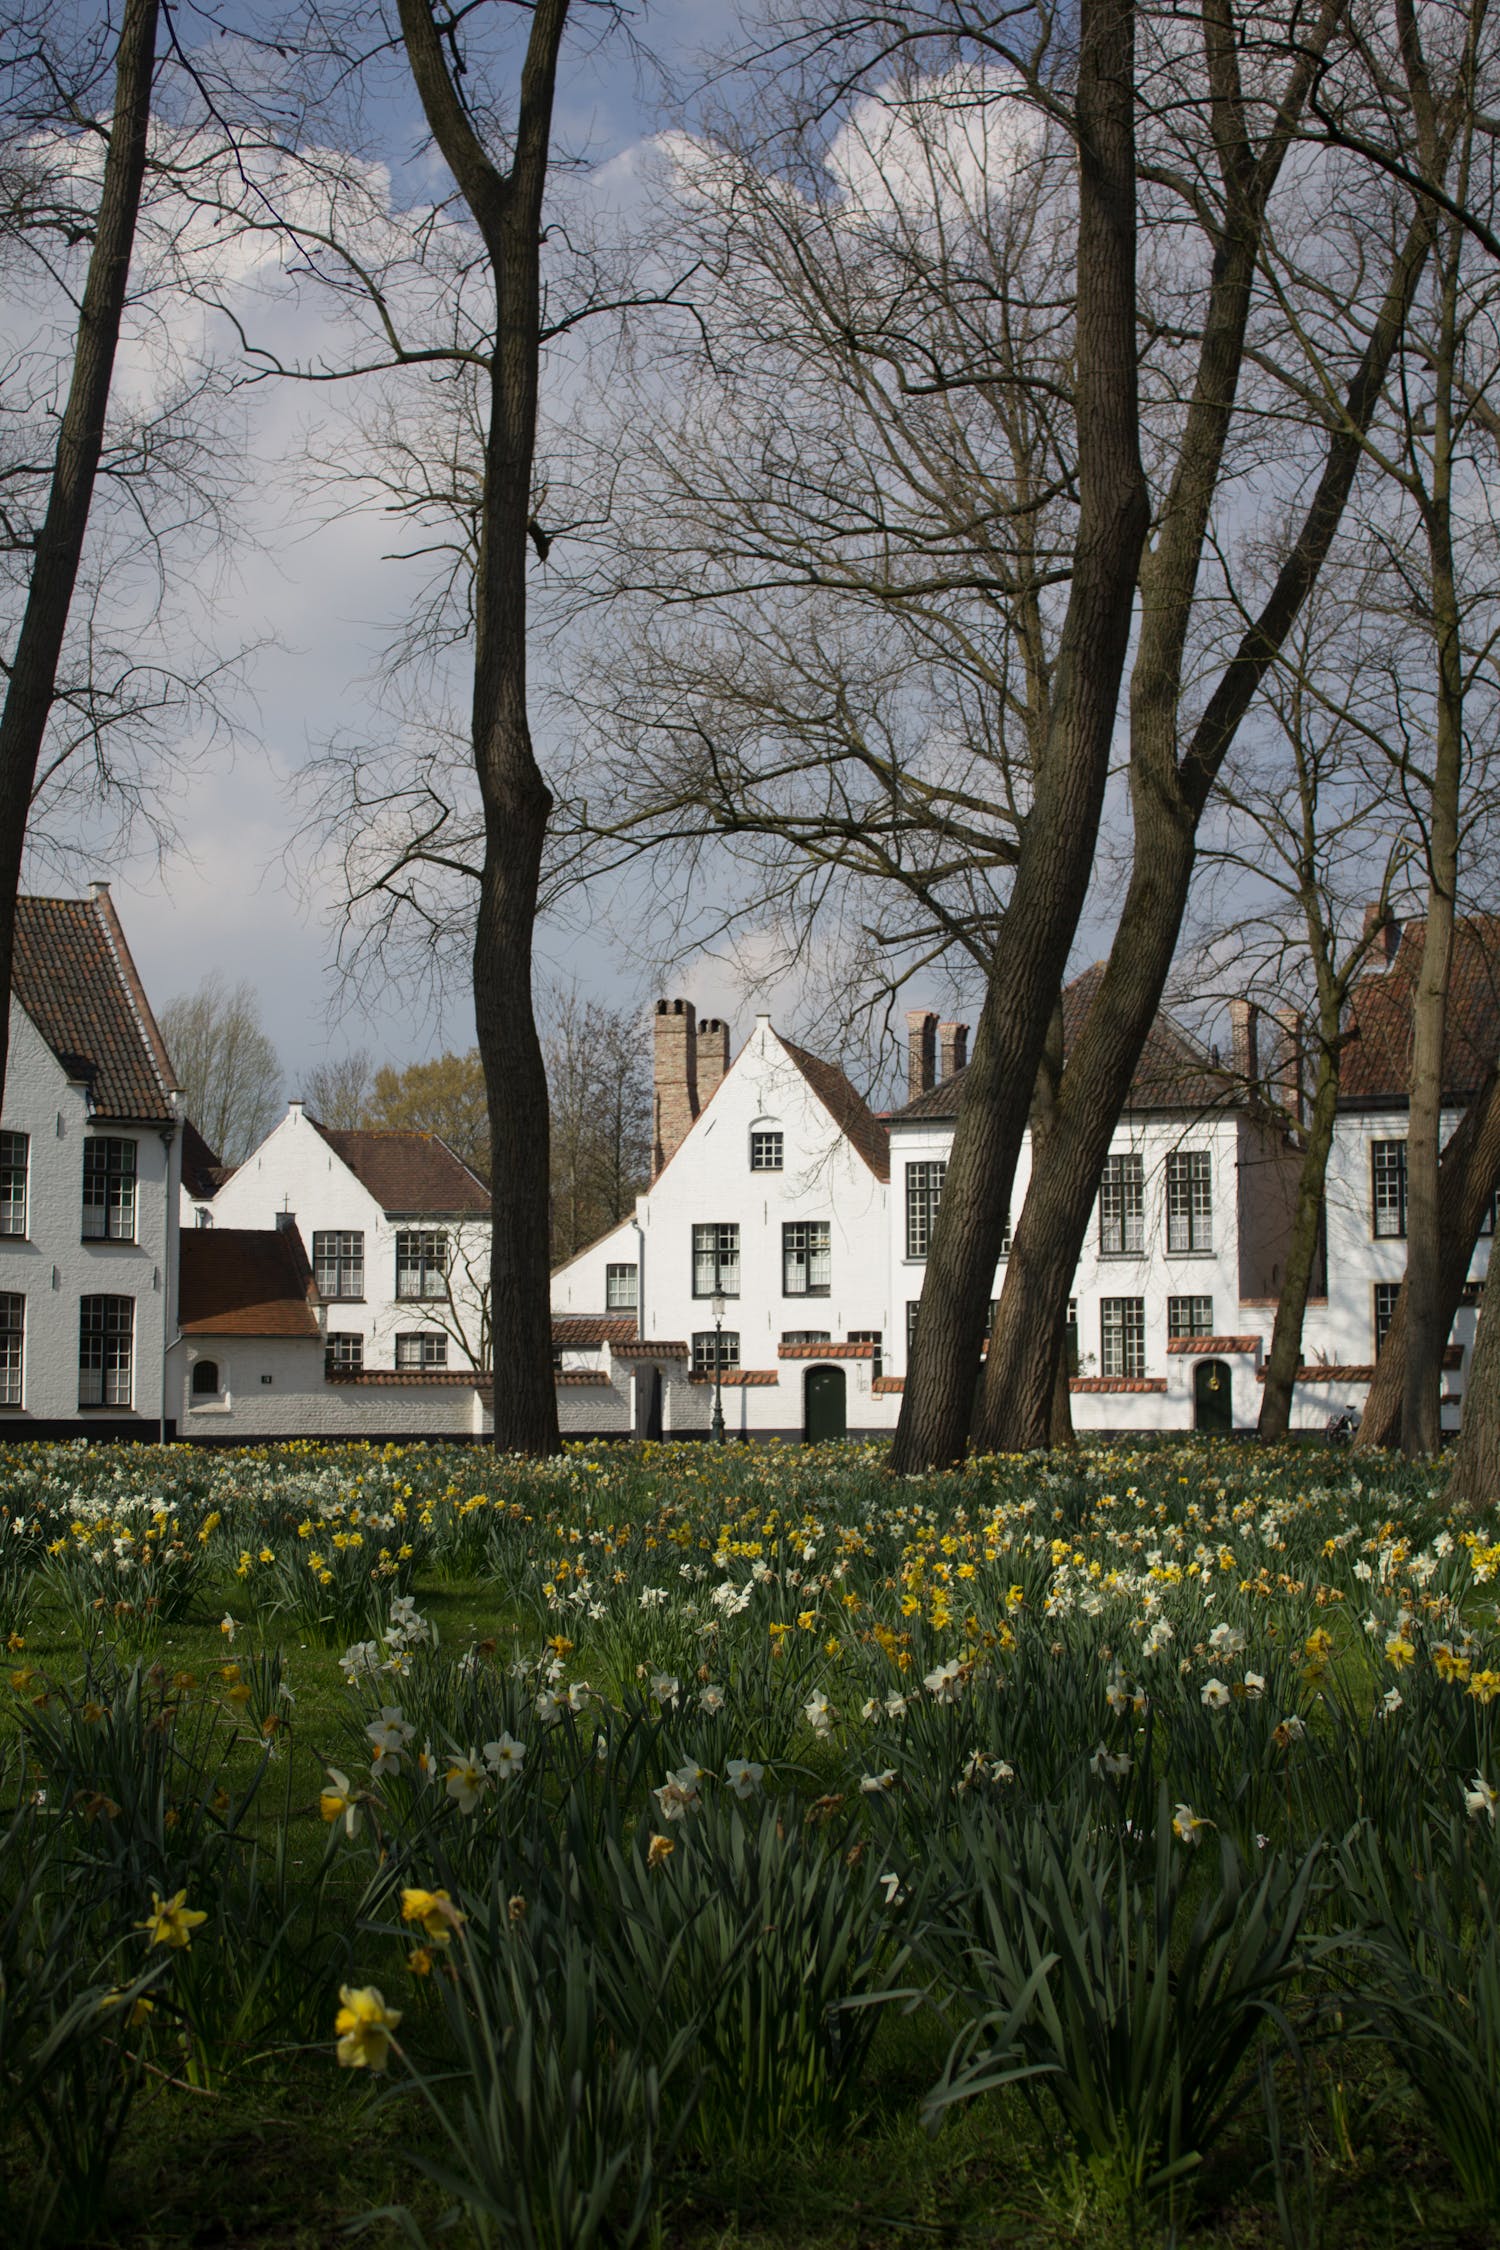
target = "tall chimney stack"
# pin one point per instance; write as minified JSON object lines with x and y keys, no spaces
{"x":713,"y":1057}
{"x":1288,"y":1076}
{"x":921,"y":1052}
{"x":1380,"y":919}
{"x":1244,"y":1037}
{"x":676,"y":1074}
{"x":953,"y":1048}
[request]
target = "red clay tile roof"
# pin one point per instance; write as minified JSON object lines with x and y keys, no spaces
{"x":1209,"y":1344}
{"x":742,"y":1378}
{"x":825,"y":1351}
{"x":1117,"y":1382}
{"x":852,"y":1115}
{"x":202,"y":1173}
{"x":245,"y":1281}
{"x":582,"y":1378}
{"x":1173,"y":1072}
{"x":410,"y":1175}
{"x":1377,"y":1057}
{"x":886,"y":1384}
{"x":73,"y":975}
{"x":1323,"y":1372}
{"x":635,"y":1349}
{"x":423,"y":1377}
{"x":582,"y":1331}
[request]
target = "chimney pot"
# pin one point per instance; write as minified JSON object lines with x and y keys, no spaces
{"x":1244,"y":1027}
{"x":921,"y":1052}
{"x":676,"y":1078}
{"x":713,"y":1056}
{"x":953,"y":1048}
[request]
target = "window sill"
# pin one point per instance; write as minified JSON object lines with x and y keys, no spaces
{"x":112,"y":1241}
{"x":331,"y":1300}
{"x":707,"y":1296}
{"x":801,"y":1296}
{"x":1175,"y":1254}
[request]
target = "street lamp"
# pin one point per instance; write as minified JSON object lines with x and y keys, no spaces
{"x":718,"y":1306}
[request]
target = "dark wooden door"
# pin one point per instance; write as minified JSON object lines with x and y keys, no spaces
{"x":1213,"y":1404}
{"x":824,"y":1414}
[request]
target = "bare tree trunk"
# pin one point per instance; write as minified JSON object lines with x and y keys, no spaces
{"x":1057,"y":845}
{"x":32,"y":672}
{"x":507,"y":206}
{"x":1421,"y":1416}
{"x":1468,"y":1175}
{"x":1476,"y":1461}
{"x":1168,"y":802}
{"x":1285,"y":1355}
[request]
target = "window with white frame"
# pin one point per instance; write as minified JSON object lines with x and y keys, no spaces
{"x":1190,"y":1316}
{"x":924,"y":1192}
{"x":14,"y":1150}
{"x":1122,"y":1336}
{"x":713,"y":1347}
{"x":767,"y":1149}
{"x":343,"y":1354}
{"x":422,"y":1264}
{"x":1388,"y":1188}
{"x":1190,"y":1200}
{"x":424,"y":1347}
{"x":12,"y":1348}
{"x":807,"y":1336}
{"x":339,"y":1263}
{"x":876,"y":1338}
{"x":109,"y":1172}
{"x":806,"y":1258}
{"x":716,"y":1260}
{"x":106,"y":1334}
{"x":913,"y":1306}
{"x":620,"y":1288}
{"x":1386,"y":1294}
{"x":1122,"y":1207}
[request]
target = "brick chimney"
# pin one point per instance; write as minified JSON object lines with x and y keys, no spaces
{"x":953,"y":1048}
{"x":1287,"y":1079}
{"x":676,"y":1074}
{"x":1380,"y":919}
{"x":1244,"y":1039}
{"x":921,"y":1052}
{"x":713,"y":1056}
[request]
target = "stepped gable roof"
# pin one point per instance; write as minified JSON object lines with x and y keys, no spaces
{"x":410,"y":1175}
{"x":245,"y":1281}
{"x":202,"y":1173}
{"x":852,"y":1115}
{"x":1376,"y":1067}
{"x":1173,"y":1072}
{"x":73,"y":975}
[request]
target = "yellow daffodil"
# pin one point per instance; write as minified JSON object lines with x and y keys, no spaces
{"x":364,"y":2025}
{"x":172,"y":1924}
{"x":435,"y":1911}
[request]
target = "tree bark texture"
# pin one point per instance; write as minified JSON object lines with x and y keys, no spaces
{"x":507,"y":206}
{"x":32,"y":685}
{"x":1057,"y":846}
{"x":1285,"y":1355}
{"x":1468,"y":1175}
{"x":1167,"y":801}
{"x":1475,"y":1479}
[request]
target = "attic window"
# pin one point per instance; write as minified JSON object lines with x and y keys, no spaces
{"x":767,"y":1149}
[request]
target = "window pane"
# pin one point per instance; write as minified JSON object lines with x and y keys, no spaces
{"x":924,"y":1192}
{"x":1190,"y":1200}
{"x":766,"y":1151}
{"x":806,"y":1258}
{"x":344,"y":1355}
{"x":1386,"y":1294}
{"x":339,"y":1264}
{"x":1190,"y":1316}
{"x":13,"y":1152}
{"x":108,"y":1190}
{"x":620,"y":1288}
{"x":1388,"y":1187}
{"x":12,"y":1346}
{"x":422,"y":1265}
{"x":716,"y":1261}
{"x":105,"y":1330}
{"x":1122,"y":1336}
{"x":1122,"y":1203}
{"x":426,"y":1348}
{"x":708,"y":1341}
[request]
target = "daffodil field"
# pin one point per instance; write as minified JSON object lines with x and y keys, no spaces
{"x":713,"y":1845}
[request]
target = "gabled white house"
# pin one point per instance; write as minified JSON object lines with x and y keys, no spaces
{"x":1172,"y":1300}
{"x":89,"y":1180}
{"x":759,"y":1252}
{"x":397,"y":1228}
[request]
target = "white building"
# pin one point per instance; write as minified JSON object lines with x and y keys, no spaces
{"x":397,"y":1228}
{"x":90,"y":1137}
{"x":759,"y":1251}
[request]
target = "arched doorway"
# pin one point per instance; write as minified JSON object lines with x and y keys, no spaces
{"x":823,"y":1409}
{"x":1213,"y":1400}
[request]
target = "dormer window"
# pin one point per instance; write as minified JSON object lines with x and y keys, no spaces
{"x":767,"y":1146}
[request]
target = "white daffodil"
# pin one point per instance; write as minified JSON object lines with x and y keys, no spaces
{"x":945,"y":1682}
{"x":1186,"y":1825}
{"x":891,"y":1885}
{"x":1481,"y":1798}
{"x":679,"y":1792}
{"x":711,"y":1699}
{"x":504,"y":1758}
{"x":875,"y":1784}
{"x":1227,"y":1640}
{"x":744,"y":1776}
{"x":467,"y":1782}
{"x":1391,"y":1702}
{"x":1110,"y":1765}
{"x":1255,"y":1686}
{"x":664,"y":1688}
{"x":818,"y":1712}
{"x":1215,"y":1695}
{"x":338,"y":1803}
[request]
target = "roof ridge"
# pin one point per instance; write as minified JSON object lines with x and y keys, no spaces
{"x":103,"y":907}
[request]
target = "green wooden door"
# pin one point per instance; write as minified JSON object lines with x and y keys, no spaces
{"x":823,"y":1405}
{"x":1213,"y":1405}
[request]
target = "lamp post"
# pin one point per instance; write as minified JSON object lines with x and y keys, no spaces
{"x":718,"y":1306}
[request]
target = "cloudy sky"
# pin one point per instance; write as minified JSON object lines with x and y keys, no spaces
{"x":319,"y":590}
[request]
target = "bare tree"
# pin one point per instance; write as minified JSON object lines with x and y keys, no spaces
{"x":337,"y":1092}
{"x":228,"y":1067}
{"x":599,"y":1079}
